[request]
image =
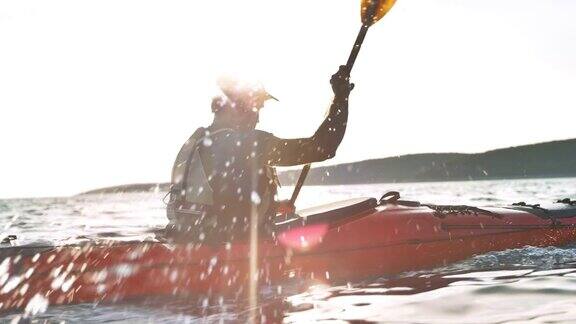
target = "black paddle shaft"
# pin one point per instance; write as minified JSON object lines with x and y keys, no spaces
{"x":300,"y":183}
{"x":356,"y":48}
{"x":370,"y":12}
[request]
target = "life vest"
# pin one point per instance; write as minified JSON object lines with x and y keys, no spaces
{"x":192,"y":195}
{"x":189,"y":180}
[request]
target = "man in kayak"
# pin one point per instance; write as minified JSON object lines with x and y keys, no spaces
{"x":225,"y":171}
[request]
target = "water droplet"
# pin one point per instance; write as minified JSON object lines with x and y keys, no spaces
{"x":37,"y":304}
{"x":68,"y":283}
{"x":207,"y":141}
{"x":124,"y":270}
{"x":4,"y":266}
{"x":255,"y":198}
{"x":12,"y":283}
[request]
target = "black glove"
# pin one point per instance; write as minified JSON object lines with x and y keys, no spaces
{"x":340,"y":82}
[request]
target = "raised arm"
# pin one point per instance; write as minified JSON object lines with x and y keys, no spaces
{"x":323,"y":144}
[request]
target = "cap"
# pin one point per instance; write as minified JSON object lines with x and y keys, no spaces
{"x":243,"y":94}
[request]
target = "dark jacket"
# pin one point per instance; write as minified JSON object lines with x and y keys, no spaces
{"x":240,"y":165}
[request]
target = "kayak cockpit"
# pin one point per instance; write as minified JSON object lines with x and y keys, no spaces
{"x":333,"y":213}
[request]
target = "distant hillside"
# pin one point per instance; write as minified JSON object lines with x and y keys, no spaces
{"x":136,"y":187}
{"x":550,"y":159}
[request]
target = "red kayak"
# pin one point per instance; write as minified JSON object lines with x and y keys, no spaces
{"x":344,"y":241}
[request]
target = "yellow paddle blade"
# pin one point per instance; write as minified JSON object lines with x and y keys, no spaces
{"x":382,"y":7}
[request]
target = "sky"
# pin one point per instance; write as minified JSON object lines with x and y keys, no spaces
{"x":102,"y":93}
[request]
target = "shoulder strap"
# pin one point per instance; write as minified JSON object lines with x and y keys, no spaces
{"x":207,"y":163}
{"x":189,"y":157}
{"x":194,"y":149}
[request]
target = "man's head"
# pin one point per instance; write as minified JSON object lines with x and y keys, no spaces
{"x":240,"y":104}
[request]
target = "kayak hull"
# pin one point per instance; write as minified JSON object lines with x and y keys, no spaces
{"x":375,"y":241}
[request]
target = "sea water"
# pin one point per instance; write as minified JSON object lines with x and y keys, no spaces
{"x":527,"y":285}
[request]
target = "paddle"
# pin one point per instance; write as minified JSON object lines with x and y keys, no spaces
{"x":371,"y":11}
